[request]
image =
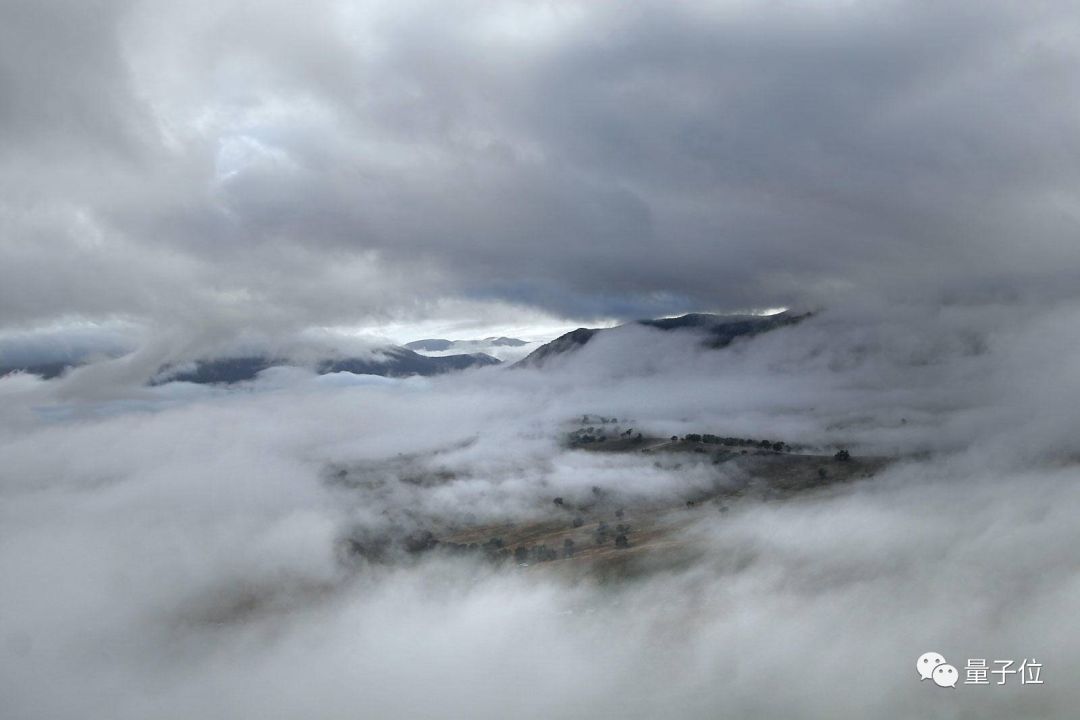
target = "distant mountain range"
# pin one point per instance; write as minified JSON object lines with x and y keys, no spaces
{"x":392,"y":362}
{"x":717,"y":331}
{"x":439,"y":345}
{"x":395,"y":361}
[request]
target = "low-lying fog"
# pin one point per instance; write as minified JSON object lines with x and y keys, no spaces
{"x":174,"y":552}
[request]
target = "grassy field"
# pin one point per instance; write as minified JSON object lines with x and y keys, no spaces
{"x":613,"y":536}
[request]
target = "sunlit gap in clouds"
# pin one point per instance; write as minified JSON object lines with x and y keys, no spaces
{"x":757,"y":312}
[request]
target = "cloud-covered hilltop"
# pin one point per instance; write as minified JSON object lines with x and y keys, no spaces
{"x":52,"y":355}
{"x":501,"y":347}
{"x":715,"y":331}
{"x":388,"y":362}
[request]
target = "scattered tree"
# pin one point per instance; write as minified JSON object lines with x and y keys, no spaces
{"x":601,"y":533}
{"x":542,"y":553}
{"x":420,"y":542}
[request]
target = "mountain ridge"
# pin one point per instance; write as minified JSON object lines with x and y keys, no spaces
{"x":441,"y":344}
{"x":396,"y":361}
{"x":719,"y":331}
{"x":392,"y":361}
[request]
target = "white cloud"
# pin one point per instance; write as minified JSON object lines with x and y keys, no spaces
{"x":189,"y":545}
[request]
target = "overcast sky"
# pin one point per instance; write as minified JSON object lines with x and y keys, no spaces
{"x":276,"y":165}
{"x":195,"y":176}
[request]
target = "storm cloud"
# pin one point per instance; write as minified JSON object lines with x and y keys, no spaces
{"x":272,"y":165}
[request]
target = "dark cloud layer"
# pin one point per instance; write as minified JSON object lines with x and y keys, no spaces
{"x":281,"y":165}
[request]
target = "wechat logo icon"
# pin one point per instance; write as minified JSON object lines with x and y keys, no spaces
{"x":932,"y":666}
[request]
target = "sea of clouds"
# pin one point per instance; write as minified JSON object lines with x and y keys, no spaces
{"x":175,"y":551}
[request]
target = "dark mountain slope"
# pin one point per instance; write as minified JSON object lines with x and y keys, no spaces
{"x":718,"y":331}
